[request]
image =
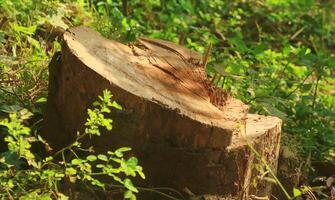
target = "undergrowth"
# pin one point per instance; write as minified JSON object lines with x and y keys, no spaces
{"x":26,"y":175}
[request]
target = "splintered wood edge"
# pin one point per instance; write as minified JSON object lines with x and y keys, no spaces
{"x":89,"y":56}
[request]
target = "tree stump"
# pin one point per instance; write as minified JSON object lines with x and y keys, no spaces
{"x":186,"y":132}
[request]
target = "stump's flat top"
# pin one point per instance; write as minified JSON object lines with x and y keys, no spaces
{"x":256,"y":126}
{"x":166,"y":80}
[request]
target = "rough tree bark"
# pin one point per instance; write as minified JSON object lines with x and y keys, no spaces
{"x":186,"y":132}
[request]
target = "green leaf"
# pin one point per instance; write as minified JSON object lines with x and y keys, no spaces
{"x":116,"y":178}
{"x":124,"y":149}
{"x":119,"y":152}
{"x":102,"y":157}
{"x":307,"y":87}
{"x":11,"y":159}
{"x":70,"y":171}
{"x":273,"y":111}
{"x":128,"y":194}
{"x":91,"y":158}
{"x":73,"y":179}
{"x":117,"y":160}
{"x":76,"y":161}
{"x":34,"y":42}
{"x":221,"y":71}
{"x":62,"y":196}
{"x":24,"y":114}
{"x":296,"y":192}
{"x":100,"y":166}
{"x":10,"y":108}
{"x":97,"y":183}
{"x":129,"y":185}
{"x":41,"y":100}
{"x":36,"y":196}
{"x":116,"y":105}
{"x":132,"y":162}
{"x":30,"y":30}
{"x":140,"y":172}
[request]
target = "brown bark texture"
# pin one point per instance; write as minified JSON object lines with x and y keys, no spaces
{"x":185,"y":132}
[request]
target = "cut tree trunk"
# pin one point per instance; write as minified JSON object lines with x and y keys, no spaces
{"x":186,"y":132}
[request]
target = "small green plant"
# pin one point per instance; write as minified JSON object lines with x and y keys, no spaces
{"x":267,"y":174}
{"x":25,"y":176}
